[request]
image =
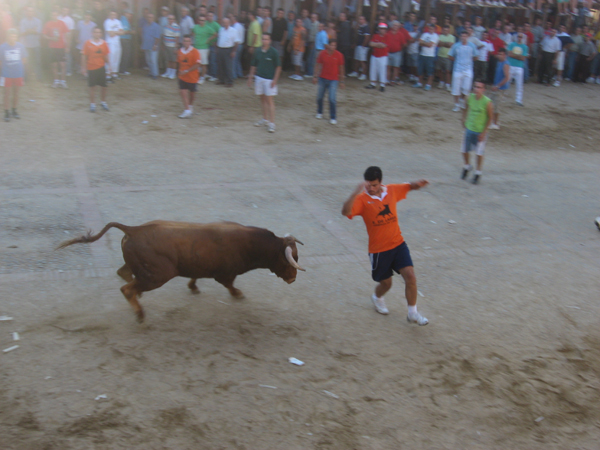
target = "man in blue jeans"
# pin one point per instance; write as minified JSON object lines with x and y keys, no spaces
{"x":329,"y":72}
{"x":151,"y":35}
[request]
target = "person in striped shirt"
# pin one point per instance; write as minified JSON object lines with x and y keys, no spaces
{"x":171,"y":35}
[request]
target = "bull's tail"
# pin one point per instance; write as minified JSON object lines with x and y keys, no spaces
{"x":87,"y":238}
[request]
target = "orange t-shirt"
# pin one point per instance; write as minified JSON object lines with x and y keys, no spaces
{"x":187,"y":60}
{"x":94,"y":54}
{"x":298,"y":41}
{"x":380,"y":217}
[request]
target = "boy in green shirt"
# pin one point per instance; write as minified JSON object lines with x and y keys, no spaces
{"x":477,"y":117}
{"x":267,"y":66}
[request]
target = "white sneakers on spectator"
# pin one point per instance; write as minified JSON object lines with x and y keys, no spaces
{"x":209,"y":78}
{"x":185,"y":114}
{"x":319,"y":116}
{"x":333,"y":122}
{"x":379,"y":304}
{"x":363,"y":77}
{"x":417,"y":318}
{"x":271,"y":127}
{"x":494,"y":126}
{"x":456,"y":107}
{"x":296,"y":77}
{"x":261,"y":122}
{"x":441,"y":85}
{"x":201,"y":80}
{"x":353,"y":74}
{"x":556,"y":83}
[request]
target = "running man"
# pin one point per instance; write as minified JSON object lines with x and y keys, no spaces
{"x":267,"y":67}
{"x":94,"y":58}
{"x":389,"y":253}
{"x":13,"y":58}
{"x":189,"y":60}
{"x":476,"y":119}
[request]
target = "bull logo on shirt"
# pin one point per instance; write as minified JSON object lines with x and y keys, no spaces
{"x":385,"y":212}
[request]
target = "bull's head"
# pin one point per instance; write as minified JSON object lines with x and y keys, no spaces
{"x":288,"y":267}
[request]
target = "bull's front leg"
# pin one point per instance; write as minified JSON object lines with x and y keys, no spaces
{"x":193,"y":287}
{"x":228,"y":283}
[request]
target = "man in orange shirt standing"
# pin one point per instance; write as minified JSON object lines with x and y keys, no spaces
{"x":94,"y":56}
{"x":376,"y":203}
{"x":188,"y":58}
{"x":297,"y":45}
{"x":55,"y":32}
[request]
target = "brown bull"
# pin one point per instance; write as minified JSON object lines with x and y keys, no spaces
{"x":158,"y":251}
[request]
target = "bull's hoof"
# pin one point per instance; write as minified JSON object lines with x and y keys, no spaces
{"x":237,"y":294}
{"x":140,"y":316}
{"x":195,"y":291}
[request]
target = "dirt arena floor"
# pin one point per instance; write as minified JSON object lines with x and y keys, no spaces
{"x":510,"y":359}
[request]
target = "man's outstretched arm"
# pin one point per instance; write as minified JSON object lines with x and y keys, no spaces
{"x":347,"y":208}
{"x":418,"y":184}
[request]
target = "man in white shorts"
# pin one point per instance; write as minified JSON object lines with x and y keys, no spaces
{"x":113,"y":29}
{"x":361,"y":52}
{"x":463,"y":53}
{"x":379,"y":58}
{"x":267,"y":66}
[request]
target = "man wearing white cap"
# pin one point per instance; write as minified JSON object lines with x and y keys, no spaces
{"x":379,"y":58}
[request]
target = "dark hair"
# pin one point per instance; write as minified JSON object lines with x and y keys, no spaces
{"x":266,"y":34}
{"x":373,"y":173}
{"x":501,"y":50}
{"x":187,"y":36}
{"x":280,"y":9}
{"x":331,"y":41}
{"x":463,"y":32}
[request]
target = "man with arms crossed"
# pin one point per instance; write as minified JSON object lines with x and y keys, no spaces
{"x":476,"y":119}
{"x":267,"y":66}
{"x":389,"y":253}
{"x":329,"y":72}
{"x":94,"y":57}
{"x":189,"y":61}
{"x":463,"y":53}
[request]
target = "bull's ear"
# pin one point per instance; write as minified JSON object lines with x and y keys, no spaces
{"x":289,"y":239}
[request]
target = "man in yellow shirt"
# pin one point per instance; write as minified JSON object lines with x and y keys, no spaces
{"x":254,"y":35}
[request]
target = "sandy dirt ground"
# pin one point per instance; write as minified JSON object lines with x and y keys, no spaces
{"x":510,"y":359}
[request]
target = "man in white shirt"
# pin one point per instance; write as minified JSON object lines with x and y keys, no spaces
{"x":113,"y":30}
{"x":186,"y":23}
{"x":237,"y":60}
{"x":227,"y":44}
{"x":463,"y":53}
{"x":481,"y":64}
{"x":70,"y":24}
{"x":505,"y":35}
{"x":478,"y":28}
{"x":550,"y":47}
{"x":428,"y":41}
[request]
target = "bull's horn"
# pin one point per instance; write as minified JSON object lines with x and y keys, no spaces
{"x":295,"y":240}
{"x":291,"y":260}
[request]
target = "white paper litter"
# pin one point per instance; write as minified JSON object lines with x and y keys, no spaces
{"x":31,"y":100}
{"x":295,"y":361}
{"x":571,"y":145}
{"x":420,"y":293}
{"x":2,"y":318}
{"x":426,"y":248}
{"x":318,"y":140}
{"x":48,"y":378}
{"x":10,"y":349}
{"x":574,"y":307}
{"x":331,"y":394}
{"x":485,"y":238}
{"x":539,"y":419}
{"x":101,"y":396}
{"x":145,"y":122}
{"x":432,"y":221}
{"x":16,"y":336}
{"x":451,"y":221}
{"x":526,"y":196}
{"x":153,"y":115}
{"x":267,"y":386}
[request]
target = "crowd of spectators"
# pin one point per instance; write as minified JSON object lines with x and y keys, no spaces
{"x":451,"y":53}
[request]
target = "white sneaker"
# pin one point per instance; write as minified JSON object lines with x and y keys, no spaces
{"x":201,"y":80}
{"x":271,"y":127}
{"x":494,"y":127}
{"x":307,"y":76}
{"x":63,"y":83}
{"x":319,"y":116}
{"x":590,"y":80}
{"x":556,"y":83}
{"x":172,"y":76}
{"x":261,"y":123}
{"x":333,"y":122}
{"x":441,"y":85}
{"x":165,"y":75}
{"x":185,"y":114}
{"x":56,"y":83}
{"x":417,"y":318}
{"x":448,"y":87}
{"x":598,"y":80}
{"x":126,"y":73}
{"x":379,"y":305}
{"x":363,"y":77}
{"x":353,"y":74}
{"x":212,"y":78}
{"x":456,"y":108}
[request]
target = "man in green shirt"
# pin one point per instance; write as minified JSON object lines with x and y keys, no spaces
{"x":476,"y":118}
{"x":203,"y":33}
{"x":267,"y":66}
{"x":444,"y":65}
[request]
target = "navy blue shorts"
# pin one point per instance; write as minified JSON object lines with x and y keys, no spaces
{"x":384,"y":264}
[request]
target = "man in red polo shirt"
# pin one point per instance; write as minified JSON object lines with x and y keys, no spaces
{"x":55,"y":32}
{"x":389,"y":253}
{"x":498,"y":44}
{"x":397,"y":43}
{"x":379,"y":58}
{"x":329,"y":73}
